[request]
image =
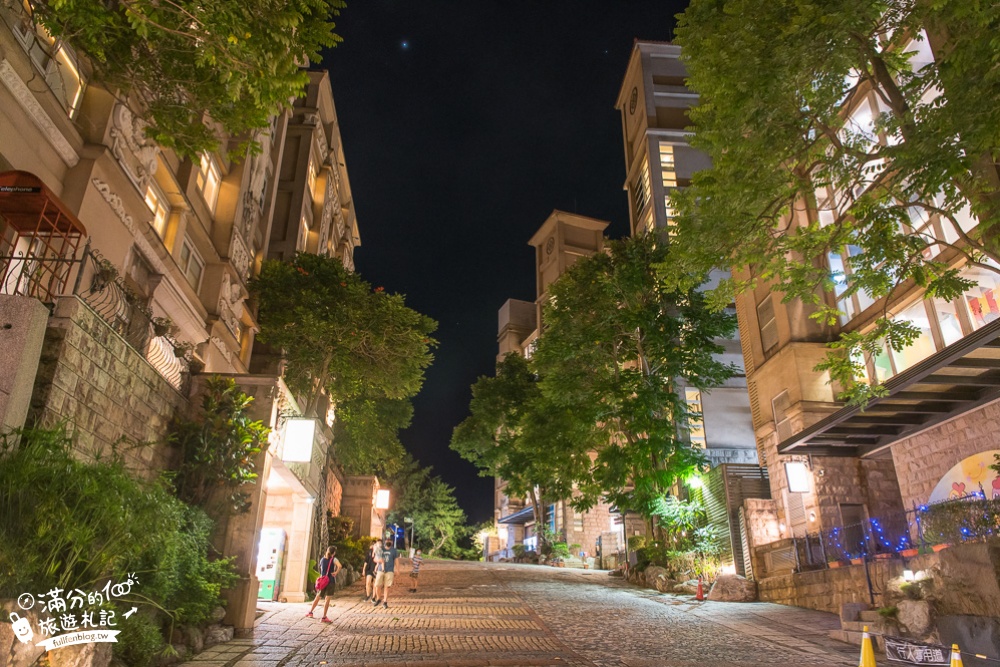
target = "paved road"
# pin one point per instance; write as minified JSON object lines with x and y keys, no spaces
{"x":483,"y":614}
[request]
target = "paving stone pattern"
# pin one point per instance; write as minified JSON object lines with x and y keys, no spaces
{"x":485,"y":614}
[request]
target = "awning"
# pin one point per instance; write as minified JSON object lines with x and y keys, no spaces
{"x":519,"y":517}
{"x":30,"y":207}
{"x":959,"y":378}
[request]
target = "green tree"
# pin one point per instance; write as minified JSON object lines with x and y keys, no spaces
{"x":827,"y":204}
{"x":364,"y":347}
{"x":218,"y":446}
{"x":439,"y":523}
{"x":182,"y":62}
{"x":615,"y":348}
{"x":537,"y":446}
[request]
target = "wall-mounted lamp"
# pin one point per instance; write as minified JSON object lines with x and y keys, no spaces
{"x":299,"y":435}
{"x":798,"y":477}
{"x":382,"y":499}
{"x":908,"y":575}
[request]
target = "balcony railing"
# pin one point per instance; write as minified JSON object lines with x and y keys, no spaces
{"x":97,"y":282}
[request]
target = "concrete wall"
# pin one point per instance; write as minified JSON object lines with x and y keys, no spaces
{"x":90,"y":377}
{"x":22,"y":334}
{"x":923,"y":459}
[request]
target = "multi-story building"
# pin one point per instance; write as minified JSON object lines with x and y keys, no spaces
{"x":561,"y":240}
{"x":124,"y":270}
{"x":931,"y":438}
{"x":653,"y":102}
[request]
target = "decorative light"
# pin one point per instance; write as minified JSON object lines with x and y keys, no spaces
{"x":299,"y":435}
{"x":908,"y":575}
{"x":382,"y":499}
{"x":798,"y":477}
{"x":695,"y":482}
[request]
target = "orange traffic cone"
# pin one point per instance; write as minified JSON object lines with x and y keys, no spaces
{"x":956,"y":656}
{"x":700,"y":595}
{"x":867,"y":652}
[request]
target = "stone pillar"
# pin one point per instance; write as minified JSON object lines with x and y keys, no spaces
{"x":293,"y":588}
{"x":22,"y":333}
{"x":242,"y":534}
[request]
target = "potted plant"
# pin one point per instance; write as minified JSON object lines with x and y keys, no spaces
{"x":162,"y":326}
{"x":182,"y":349}
{"x":909,"y":553}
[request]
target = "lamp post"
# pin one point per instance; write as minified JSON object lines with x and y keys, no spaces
{"x":409,"y":520}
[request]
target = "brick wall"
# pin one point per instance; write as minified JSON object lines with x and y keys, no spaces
{"x":923,"y":459}
{"x":868,"y":482}
{"x":90,"y":377}
{"x":827,"y":590}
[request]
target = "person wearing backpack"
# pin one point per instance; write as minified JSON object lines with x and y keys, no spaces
{"x":329,"y":566}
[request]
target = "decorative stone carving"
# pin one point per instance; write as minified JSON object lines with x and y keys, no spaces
{"x":230,"y":303}
{"x":115,"y":202}
{"x":222,"y":348}
{"x":239,"y":256}
{"x":37,"y":114}
{"x":253,"y":194}
{"x":135,"y":152}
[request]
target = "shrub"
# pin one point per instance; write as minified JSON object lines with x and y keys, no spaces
{"x":518,"y":550}
{"x":140,"y":641}
{"x":219,"y":446}
{"x":912,"y":590}
{"x":350,"y":550}
{"x":636,"y":542}
{"x":74,"y":524}
{"x":888,"y":612}
{"x":560,"y":550}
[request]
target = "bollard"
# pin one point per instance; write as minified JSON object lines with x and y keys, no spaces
{"x":867,"y":652}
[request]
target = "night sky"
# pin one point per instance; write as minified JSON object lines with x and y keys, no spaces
{"x":464,"y":125}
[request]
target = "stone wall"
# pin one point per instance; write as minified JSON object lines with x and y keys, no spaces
{"x":91,"y":378}
{"x":334,"y":493}
{"x":923,"y":459}
{"x":961,"y":580}
{"x":849,"y":480}
{"x":827,"y":590}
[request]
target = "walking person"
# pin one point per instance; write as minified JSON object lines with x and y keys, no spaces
{"x":384,"y":577}
{"x":329,"y":566}
{"x":418,"y":560}
{"x":368,"y":570}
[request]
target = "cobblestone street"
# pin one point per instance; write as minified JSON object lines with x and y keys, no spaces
{"x":476,"y":614}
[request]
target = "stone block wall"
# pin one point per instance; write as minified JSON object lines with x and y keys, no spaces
{"x":868,"y":482}
{"x":334,"y":493}
{"x":91,"y":378}
{"x":827,"y":590}
{"x":923,"y":459}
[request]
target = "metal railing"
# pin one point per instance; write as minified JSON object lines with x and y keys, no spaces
{"x":97,"y":282}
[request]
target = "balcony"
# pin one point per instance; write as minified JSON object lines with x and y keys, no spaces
{"x":41,"y":258}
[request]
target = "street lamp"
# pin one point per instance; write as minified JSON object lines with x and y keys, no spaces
{"x":382,"y":499}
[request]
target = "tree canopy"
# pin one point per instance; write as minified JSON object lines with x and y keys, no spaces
{"x":538,"y":447}
{"x":439,"y":523}
{"x":854,"y":146}
{"x":184,"y":62}
{"x":618,"y":350}
{"x":364,"y":347}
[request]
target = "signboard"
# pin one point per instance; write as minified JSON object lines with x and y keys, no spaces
{"x":618,"y":520}
{"x":19,"y":189}
{"x":908,"y":652}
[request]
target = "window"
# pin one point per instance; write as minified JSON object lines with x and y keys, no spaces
{"x":640,"y":188}
{"x":66,"y":80}
{"x":577,"y":521}
{"x":923,"y":346}
{"x":209,"y":179}
{"x":191,"y":264}
{"x":311,"y":177}
{"x":782,"y":422}
{"x":56,"y":61}
{"x":157,"y":203}
{"x":768,"y":324}
{"x":696,"y":424}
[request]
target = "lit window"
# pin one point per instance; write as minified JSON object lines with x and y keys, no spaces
{"x":923,"y":346}
{"x":69,"y":80}
{"x":696,"y":423}
{"x":208,"y":180}
{"x":983,"y":300}
{"x":303,"y":240}
{"x":311,"y":177}
{"x":192,"y":264}
{"x":948,"y":320}
{"x":157,"y":204}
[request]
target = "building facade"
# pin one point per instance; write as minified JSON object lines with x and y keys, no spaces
{"x":124,"y":267}
{"x":653,"y":102}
